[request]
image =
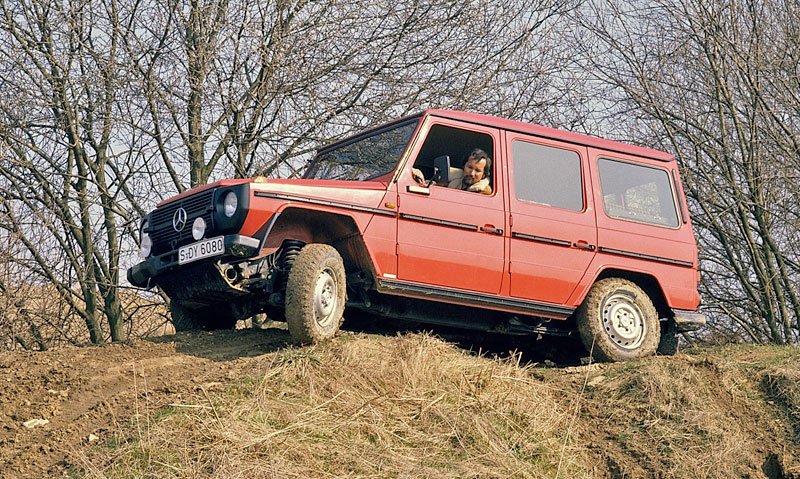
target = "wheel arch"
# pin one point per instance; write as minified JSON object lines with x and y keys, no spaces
{"x":647,"y":282}
{"x":318,"y":226}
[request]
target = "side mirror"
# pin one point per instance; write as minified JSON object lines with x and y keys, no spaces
{"x":441,"y":169}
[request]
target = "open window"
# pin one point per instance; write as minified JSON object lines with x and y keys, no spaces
{"x":455,"y":143}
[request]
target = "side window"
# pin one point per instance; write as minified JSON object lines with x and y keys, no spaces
{"x":637,"y":192}
{"x":547,"y":175}
{"x":457,"y":143}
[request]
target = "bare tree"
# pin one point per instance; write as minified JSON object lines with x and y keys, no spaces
{"x":57,"y":121}
{"x":32,"y":315}
{"x":716,"y":81}
{"x":247,"y":87}
{"x":108,"y":106}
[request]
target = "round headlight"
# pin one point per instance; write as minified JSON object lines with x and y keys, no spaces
{"x":198,"y":228}
{"x":230,"y":203}
{"x":145,"y":243}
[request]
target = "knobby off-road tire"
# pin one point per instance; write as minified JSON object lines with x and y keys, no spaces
{"x":315,"y":294}
{"x":618,"y":322}
{"x":208,"y":318}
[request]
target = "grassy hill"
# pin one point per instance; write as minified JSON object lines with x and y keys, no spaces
{"x":250,"y":404}
{"x":416,"y":406}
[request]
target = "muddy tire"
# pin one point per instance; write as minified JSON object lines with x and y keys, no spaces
{"x":208,"y":318}
{"x":618,"y":322}
{"x":315,"y":294}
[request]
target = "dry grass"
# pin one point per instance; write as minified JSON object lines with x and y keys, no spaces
{"x":409,"y":406}
{"x":690,"y":416}
{"x":415,"y":406}
{"x":660,"y":415}
{"x":36,"y":317}
{"x":782,"y":385}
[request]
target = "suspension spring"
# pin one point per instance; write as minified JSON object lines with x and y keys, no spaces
{"x":289,"y":251}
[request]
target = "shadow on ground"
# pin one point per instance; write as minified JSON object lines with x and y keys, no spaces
{"x":543,"y":351}
{"x":546,"y":351}
{"x":229,"y":345}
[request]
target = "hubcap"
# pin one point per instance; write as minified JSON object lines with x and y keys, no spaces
{"x":623,"y":321}
{"x":325,"y":298}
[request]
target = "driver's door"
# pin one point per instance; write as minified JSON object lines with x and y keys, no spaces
{"x":448,"y":237}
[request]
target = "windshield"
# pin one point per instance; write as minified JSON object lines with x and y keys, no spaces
{"x":364,"y":158}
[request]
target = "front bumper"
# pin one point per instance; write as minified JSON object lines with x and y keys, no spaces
{"x":142,"y":274}
{"x":688,"y":320}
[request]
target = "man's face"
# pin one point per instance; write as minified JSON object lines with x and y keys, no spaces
{"x":473,"y":171}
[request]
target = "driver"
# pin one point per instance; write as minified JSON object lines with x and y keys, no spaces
{"x":473,"y":177}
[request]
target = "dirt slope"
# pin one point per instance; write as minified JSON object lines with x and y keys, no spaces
{"x":97,"y":390}
{"x":249,"y":404}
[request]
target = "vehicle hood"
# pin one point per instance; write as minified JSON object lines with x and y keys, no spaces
{"x":364,"y":193}
{"x":367,"y":193}
{"x":198,"y":189}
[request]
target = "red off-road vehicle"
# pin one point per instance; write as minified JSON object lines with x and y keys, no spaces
{"x":577,"y":234}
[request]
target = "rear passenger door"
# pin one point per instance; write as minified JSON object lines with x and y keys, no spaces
{"x":553,"y":230}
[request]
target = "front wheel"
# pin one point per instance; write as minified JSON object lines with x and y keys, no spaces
{"x":617,"y":321}
{"x":315,"y":294}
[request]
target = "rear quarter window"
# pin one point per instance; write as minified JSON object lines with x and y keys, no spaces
{"x":637,"y":193}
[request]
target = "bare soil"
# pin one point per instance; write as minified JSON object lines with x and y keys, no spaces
{"x":87,"y":394}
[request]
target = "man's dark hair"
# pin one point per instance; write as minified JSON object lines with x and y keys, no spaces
{"x":477,"y":154}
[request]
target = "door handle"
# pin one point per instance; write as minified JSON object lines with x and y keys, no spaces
{"x":491,"y":229}
{"x":584,"y":245}
{"x":420,"y":190}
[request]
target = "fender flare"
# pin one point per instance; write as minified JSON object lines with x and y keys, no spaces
{"x":311,"y":225}
{"x":646,"y":281}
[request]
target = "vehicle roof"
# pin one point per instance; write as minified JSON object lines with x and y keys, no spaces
{"x":550,"y":133}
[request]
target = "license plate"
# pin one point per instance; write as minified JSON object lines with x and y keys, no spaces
{"x":201,"y":249}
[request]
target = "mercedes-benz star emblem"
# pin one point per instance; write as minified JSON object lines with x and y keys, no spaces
{"x":179,"y":219}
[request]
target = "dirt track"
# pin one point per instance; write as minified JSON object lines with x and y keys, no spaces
{"x":85,"y":393}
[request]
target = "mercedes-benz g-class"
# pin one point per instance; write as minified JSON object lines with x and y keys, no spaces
{"x":567,"y":233}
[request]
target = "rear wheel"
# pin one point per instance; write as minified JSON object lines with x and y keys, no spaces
{"x":206,"y":318}
{"x":617,"y":321}
{"x":315,"y":294}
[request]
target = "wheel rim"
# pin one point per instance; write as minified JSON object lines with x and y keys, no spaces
{"x":326,"y":299}
{"x":623,"y":321}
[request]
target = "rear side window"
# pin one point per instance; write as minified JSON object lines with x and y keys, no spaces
{"x":547,"y":175}
{"x":638,"y":193}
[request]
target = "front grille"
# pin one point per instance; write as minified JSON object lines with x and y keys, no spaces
{"x":163,"y":234}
